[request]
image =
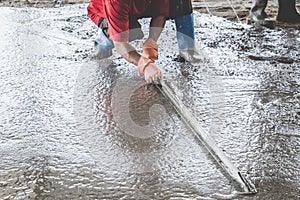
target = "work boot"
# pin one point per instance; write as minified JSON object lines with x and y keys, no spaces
{"x":287,"y":11}
{"x":257,"y":11}
{"x":103,"y":45}
{"x":191,"y":55}
{"x":186,"y":38}
{"x":258,"y":14}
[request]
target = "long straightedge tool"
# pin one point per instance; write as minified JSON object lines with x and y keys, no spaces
{"x":206,"y":140}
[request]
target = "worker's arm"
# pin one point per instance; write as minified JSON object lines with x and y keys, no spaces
{"x":145,"y":65}
{"x":150,"y":47}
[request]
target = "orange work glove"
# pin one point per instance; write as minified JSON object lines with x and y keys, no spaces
{"x":147,"y":67}
{"x":150,"y":49}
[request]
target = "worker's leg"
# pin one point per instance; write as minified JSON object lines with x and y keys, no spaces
{"x":185,"y":32}
{"x":257,"y":11}
{"x":287,"y":11}
{"x":186,"y":37}
{"x":103,"y":45}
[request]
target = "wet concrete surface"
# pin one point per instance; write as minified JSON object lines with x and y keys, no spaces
{"x":73,"y":127}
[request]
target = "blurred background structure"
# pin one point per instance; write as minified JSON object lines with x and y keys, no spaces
{"x":222,"y":8}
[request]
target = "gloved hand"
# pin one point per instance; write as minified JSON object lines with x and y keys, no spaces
{"x":144,"y":65}
{"x":150,"y":49}
{"x":147,"y":67}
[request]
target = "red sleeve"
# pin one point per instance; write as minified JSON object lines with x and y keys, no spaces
{"x":96,"y":10}
{"x":117,"y":13}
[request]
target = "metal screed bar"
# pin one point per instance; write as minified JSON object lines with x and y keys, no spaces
{"x":206,"y":139}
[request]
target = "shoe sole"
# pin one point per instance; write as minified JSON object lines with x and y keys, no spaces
{"x":268,"y":23}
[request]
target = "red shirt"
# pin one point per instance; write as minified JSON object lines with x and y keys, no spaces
{"x":117,"y":13}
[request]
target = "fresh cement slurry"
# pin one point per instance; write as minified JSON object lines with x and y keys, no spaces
{"x":59,"y":111}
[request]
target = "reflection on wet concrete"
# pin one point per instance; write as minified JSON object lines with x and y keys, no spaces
{"x":62,"y":137}
{"x":164,"y":163}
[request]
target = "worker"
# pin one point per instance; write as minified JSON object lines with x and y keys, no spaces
{"x":117,"y":20}
{"x":287,"y":11}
